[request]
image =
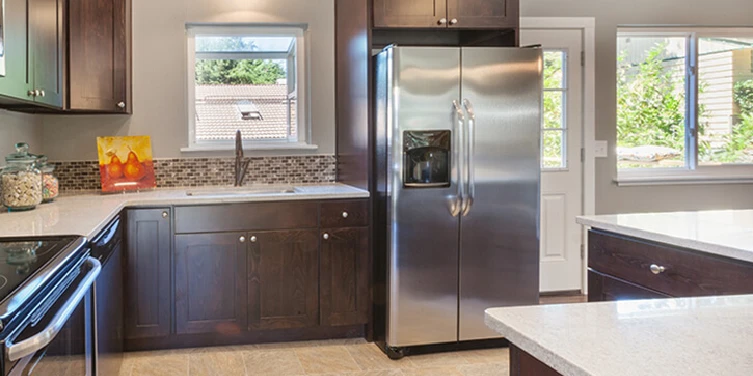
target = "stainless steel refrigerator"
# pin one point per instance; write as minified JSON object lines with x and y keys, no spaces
{"x":458,"y":182}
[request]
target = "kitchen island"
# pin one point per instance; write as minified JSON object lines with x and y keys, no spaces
{"x":668,"y":337}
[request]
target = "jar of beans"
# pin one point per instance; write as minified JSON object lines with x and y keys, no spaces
{"x":21,"y":180}
{"x":50,"y":185}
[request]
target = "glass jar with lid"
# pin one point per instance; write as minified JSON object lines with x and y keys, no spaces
{"x":50,"y":184}
{"x":21,"y":180}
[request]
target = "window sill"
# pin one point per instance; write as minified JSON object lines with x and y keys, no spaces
{"x":271,"y":146}
{"x":703,"y":175}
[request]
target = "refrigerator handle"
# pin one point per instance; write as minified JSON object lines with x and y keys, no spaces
{"x":457,"y":156}
{"x":469,"y":159}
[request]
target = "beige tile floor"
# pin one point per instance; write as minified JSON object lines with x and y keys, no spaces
{"x":353,"y":357}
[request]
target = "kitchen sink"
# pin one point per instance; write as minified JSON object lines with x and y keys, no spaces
{"x":241,"y":191}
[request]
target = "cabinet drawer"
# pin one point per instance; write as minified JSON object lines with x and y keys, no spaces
{"x":603,"y":288}
{"x":345,"y":213}
{"x":244,"y":217}
{"x":685,"y":272}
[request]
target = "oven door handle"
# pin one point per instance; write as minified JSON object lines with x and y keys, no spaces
{"x":42,"y":339}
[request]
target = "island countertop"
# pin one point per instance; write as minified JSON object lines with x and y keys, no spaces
{"x":87,"y":214}
{"x":668,"y":337}
{"x":726,"y":233}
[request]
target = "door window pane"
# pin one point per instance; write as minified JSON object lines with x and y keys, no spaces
{"x":552,"y":149}
{"x":725,"y":100}
{"x":651,"y":101}
{"x":554,"y":125}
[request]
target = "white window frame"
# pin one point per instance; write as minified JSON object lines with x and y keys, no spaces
{"x":302,"y":90}
{"x":692,"y":173}
{"x":564,"y":129}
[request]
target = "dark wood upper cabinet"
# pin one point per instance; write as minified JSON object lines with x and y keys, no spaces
{"x":345,"y":295}
{"x":148,"y":244}
{"x":461,"y":14}
{"x":46,"y":52}
{"x":413,"y":13}
{"x":99,"y":55}
{"x":477,"y":14}
{"x":210,"y":283}
{"x":283,"y":279}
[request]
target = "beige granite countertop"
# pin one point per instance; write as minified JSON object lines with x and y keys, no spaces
{"x":726,"y":233}
{"x":86,"y":214}
{"x":667,"y":337}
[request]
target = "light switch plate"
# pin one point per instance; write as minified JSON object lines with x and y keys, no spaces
{"x":600,"y":148}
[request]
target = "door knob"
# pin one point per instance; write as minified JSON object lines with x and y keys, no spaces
{"x":454,"y":21}
{"x":345,"y":214}
{"x":325,"y":236}
{"x":442,"y":21}
{"x":165,"y":214}
{"x":121,"y":105}
{"x":656,"y":269}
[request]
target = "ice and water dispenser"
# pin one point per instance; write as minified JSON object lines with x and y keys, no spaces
{"x":426,"y":159}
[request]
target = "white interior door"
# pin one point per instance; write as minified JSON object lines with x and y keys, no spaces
{"x":562,"y":168}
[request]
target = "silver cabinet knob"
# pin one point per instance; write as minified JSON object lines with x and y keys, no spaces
{"x":253,"y":239}
{"x":30,"y":93}
{"x":242,"y":239}
{"x":345,"y":214}
{"x":454,"y":21}
{"x":656,"y":269}
{"x":442,"y":21}
{"x":165,"y":214}
{"x":41,"y":93}
{"x":37,"y":93}
{"x":325,"y":236}
{"x":121,"y":104}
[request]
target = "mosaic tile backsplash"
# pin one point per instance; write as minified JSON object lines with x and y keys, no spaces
{"x":202,"y":172}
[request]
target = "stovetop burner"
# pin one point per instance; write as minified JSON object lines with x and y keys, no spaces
{"x":28,"y":265}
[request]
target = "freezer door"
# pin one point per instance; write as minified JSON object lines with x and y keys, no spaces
{"x":499,"y":255}
{"x":420,"y":86}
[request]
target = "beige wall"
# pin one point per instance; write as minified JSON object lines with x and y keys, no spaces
{"x":17,"y":127}
{"x":159,"y":75}
{"x":609,"y":14}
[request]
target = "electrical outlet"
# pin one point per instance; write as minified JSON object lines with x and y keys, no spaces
{"x":600,"y":148}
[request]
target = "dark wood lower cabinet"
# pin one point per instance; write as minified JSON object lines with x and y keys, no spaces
{"x":210,"y":283}
{"x":283,"y":279}
{"x":148,"y":276}
{"x":345,"y":295}
{"x":602,"y":288}
{"x":524,"y":364}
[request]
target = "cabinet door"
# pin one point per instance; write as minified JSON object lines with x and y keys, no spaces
{"x":148,"y":273}
{"x":210,"y":283}
{"x":602,"y":288}
{"x":46,"y":48}
{"x":283,"y":279}
{"x":99,"y":37}
{"x":14,"y":81}
{"x":345,"y":294}
{"x":413,"y":13}
{"x":474,"y":14}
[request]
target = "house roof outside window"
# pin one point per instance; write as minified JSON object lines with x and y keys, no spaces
{"x":219,"y":112}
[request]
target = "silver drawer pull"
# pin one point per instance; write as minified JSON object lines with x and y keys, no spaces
{"x":253,"y":239}
{"x":345,"y":214}
{"x":656,"y":269}
{"x":242,"y":239}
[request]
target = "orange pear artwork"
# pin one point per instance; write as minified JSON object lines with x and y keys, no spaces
{"x":125,"y":163}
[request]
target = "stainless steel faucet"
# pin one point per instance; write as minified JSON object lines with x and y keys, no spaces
{"x":241,"y":163}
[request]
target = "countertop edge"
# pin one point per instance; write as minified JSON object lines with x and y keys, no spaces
{"x":710,"y":248}
{"x":560,"y":364}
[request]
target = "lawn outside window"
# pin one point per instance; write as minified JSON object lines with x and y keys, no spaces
{"x":684,"y":105}
{"x":247,"y":78}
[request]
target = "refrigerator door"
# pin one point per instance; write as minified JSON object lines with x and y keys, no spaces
{"x":499,"y":244}
{"x":419,"y":108}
